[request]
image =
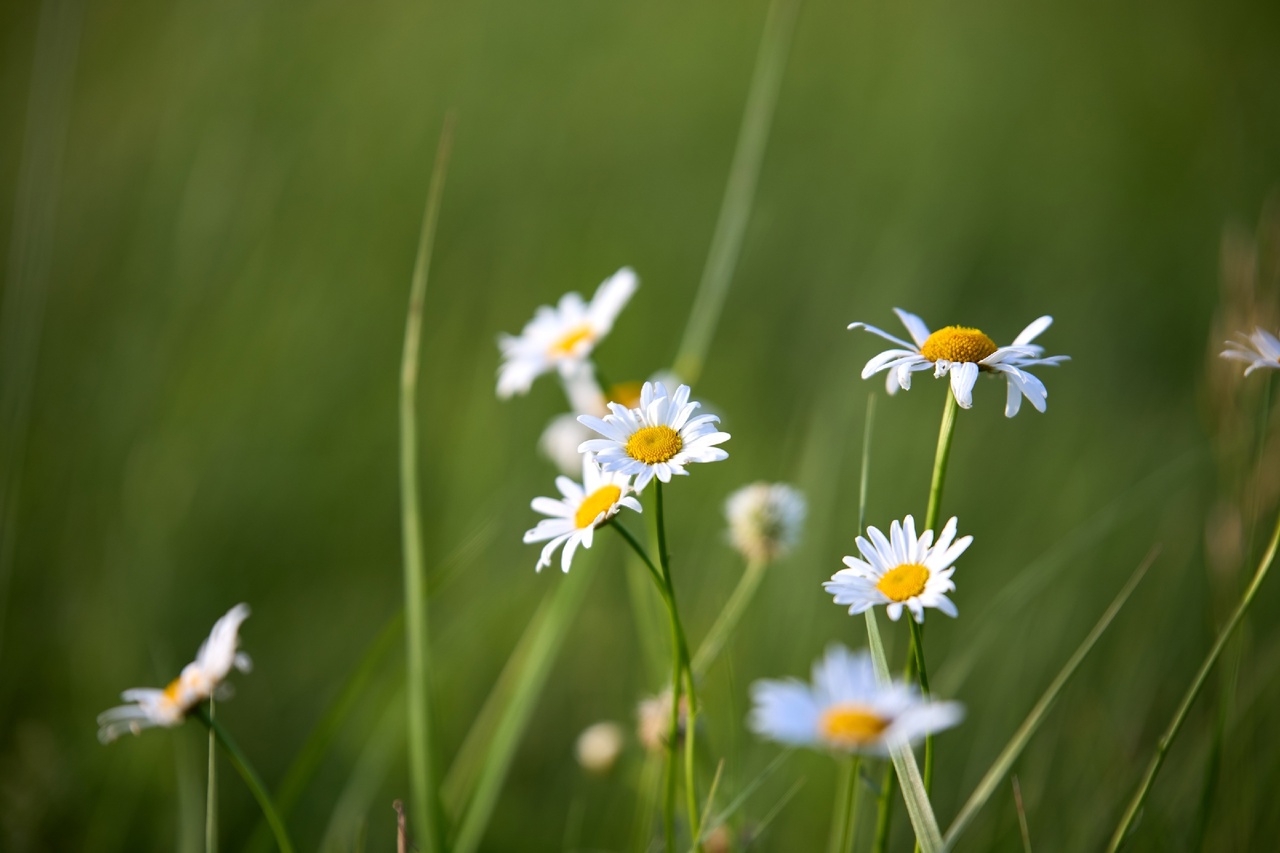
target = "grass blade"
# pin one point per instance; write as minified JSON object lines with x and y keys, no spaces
{"x":991,"y":781}
{"x":426,"y":810}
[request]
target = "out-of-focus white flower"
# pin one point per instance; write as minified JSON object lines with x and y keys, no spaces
{"x":846,"y":709}
{"x":1259,"y":350}
{"x":657,"y":438}
{"x":599,"y":746}
{"x":765,"y":519}
{"x":575,"y":517}
{"x":199,"y":680}
{"x":562,"y":337}
{"x":900,"y":571}
{"x":964,"y":353}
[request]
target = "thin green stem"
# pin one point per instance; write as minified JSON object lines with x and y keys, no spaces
{"x":250,"y":777}
{"x":211,"y":793}
{"x":427,"y":812}
{"x":1180,"y":716}
{"x":644,"y":557}
{"x":845,"y":817}
{"x":940,"y":460}
{"x":728,"y":619}
{"x":917,"y":641}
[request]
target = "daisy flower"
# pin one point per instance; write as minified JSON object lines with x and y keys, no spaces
{"x":964,"y":353}
{"x":1261,"y":349}
{"x":657,"y":438}
{"x":900,"y":571}
{"x":764,"y":519}
{"x":575,"y":517}
{"x":846,"y":709}
{"x":199,"y":680}
{"x":562,"y":337}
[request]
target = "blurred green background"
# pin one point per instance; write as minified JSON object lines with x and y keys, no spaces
{"x":229,"y":195}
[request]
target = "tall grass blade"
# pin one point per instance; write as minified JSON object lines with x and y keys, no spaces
{"x":991,"y":781}
{"x":426,"y":810}
{"x":735,"y":209}
{"x":526,"y":685}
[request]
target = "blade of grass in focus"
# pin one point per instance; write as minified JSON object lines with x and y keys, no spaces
{"x":739,"y":195}
{"x":1004,"y":761}
{"x":426,"y":810}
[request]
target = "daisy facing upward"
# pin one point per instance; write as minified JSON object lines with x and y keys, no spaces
{"x":964,"y":353}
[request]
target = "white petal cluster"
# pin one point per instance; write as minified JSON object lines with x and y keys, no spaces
{"x":1009,"y":361}
{"x":681,"y":438}
{"x":845,"y":709}
{"x":1259,"y":350}
{"x":574,"y":517}
{"x":900,"y":571}
{"x":199,"y":680}
{"x":564,"y":336}
{"x":765,"y":519}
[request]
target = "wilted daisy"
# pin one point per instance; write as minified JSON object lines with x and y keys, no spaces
{"x":1259,"y":350}
{"x":562,"y":337}
{"x":764,"y":519}
{"x":900,"y":571}
{"x":657,"y":438}
{"x":964,"y":353}
{"x":846,"y":709}
{"x":575,"y":517}
{"x":199,"y":680}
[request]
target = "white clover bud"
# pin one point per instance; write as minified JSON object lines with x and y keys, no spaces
{"x":599,"y":746}
{"x":765,"y":520}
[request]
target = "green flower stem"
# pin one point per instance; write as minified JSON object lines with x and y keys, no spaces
{"x":211,"y":793}
{"x":428,"y":815}
{"x":1180,"y":716}
{"x":917,"y":643}
{"x":843,"y":823}
{"x":250,"y":777}
{"x":729,"y":617}
{"x":940,"y":460}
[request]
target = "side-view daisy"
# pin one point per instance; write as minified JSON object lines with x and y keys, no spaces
{"x":900,"y":571}
{"x":1259,"y":350}
{"x":846,"y":709}
{"x":562,"y":337}
{"x":656,"y":439}
{"x":199,"y":680}
{"x":964,"y":353}
{"x":575,"y":517}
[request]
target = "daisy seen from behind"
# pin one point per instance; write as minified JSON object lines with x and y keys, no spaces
{"x":900,"y":571}
{"x":657,"y":438}
{"x":575,"y":516}
{"x":964,"y":353}
{"x":564,"y":336}
{"x":845,"y":709}
{"x":1259,"y":350}
{"x":199,"y":681}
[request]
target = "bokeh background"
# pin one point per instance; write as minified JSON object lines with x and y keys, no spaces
{"x":210,"y":215}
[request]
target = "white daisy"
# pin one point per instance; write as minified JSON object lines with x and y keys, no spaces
{"x":575,"y":517}
{"x":964,"y":353}
{"x":560,"y":440}
{"x":656,"y":439}
{"x":563,"y":336}
{"x":199,"y":680}
{"x":900,"y":571}
{"x":846,"y":709}
{"x":1261,"y":349}
{"x":764,"y":519}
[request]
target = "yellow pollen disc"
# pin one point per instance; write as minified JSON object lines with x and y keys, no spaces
{"x":958,"y":343}
{"x":852,"y":725}
{"x":595,"y":503}
{"x":626,"y":394}
{"x":903,"y":582}
{"x":567,"y":344}
{"x":654,"y":444}
{"x":171,"y":692}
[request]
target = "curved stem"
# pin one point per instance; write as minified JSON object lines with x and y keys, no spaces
{"x":250,"y":777}
{"x":728,"y":619}
{"x":1180,"y":716}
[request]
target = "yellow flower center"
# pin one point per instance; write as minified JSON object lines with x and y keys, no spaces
{"x":625,"y":394}
{"x":654,"y":444}
{"x":567,"y":344}
{"x":852,"y":725}
{"x":958,"y":343}
{"x":903,"y":582}
{"x":595,"y":503}
{"x":171,"y":692}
